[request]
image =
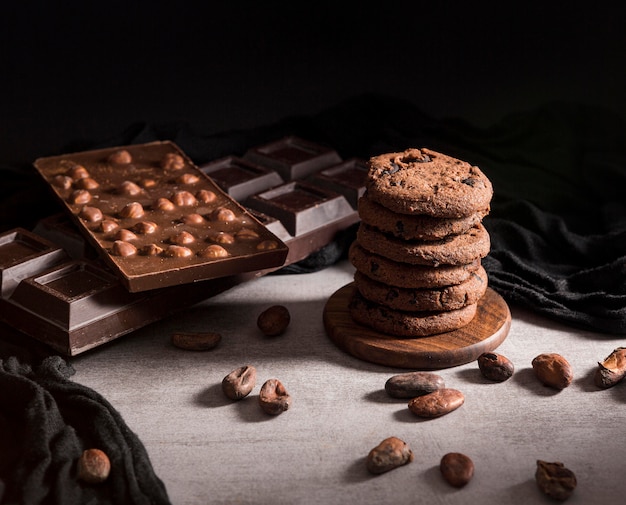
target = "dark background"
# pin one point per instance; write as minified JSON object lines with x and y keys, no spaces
{"x":73,"y":73}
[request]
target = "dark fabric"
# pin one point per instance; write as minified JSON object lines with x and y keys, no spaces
{"x":46,"y":421}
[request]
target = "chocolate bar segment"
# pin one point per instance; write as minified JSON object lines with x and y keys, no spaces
{"x":22,"y":252}
{"x":240,"y":178}
{"x":293,"y":158}
{"x":156,"y":219}
{"x":300,"y":206}
{"x":346,"y":178}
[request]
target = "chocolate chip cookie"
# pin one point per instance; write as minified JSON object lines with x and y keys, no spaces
{"x":453,"y":250}
{"x":414,"y":226}
{"x":422,"y":181}
{"x":407,"y":324}
{"x":447,"y":298}
{"x":405,"y":275}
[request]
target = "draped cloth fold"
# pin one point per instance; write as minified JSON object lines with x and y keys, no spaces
{"x":46,"y":422}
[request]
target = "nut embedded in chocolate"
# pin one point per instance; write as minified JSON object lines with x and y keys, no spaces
{"x":193,"y":219}
{"x":132,"y":210}
{"x":164,"y":204}
{"x":80,"y":196}
{"x":184,"y":199}
{"x":91,"y":214}
{"x":177,"y":251}
{"x":62,"y":181}
{"x":124,"y":249}
{"x":213,"y":251}
{"x":108,"y":225}
{"x":172,"y":161}
{"x":182,"y":238}
{"x":206,"y":196}
{"x":267,"y":245}
{"x":247,"y":234}
{"x":221,"y":237}
{"x":129,"y":188}
{"x":77,"y":171}
{"x":120,"y":157}
{"x":145,"y":227}
{"x":223,"y":214}
{"x":87,"y":183}
{"x":125,"y":235}
{"x":187,"y":179}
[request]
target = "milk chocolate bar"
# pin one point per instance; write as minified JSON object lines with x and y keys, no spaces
{"x":156,"y":219}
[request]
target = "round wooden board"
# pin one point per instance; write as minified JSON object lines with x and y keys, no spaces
{"x":484,"y":333}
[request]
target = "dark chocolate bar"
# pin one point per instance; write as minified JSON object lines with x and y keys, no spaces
{"x":156,"y":219}
{"x":23,"y":252}
{"x":79,"y":304}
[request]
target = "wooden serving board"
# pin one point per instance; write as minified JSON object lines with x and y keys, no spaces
{"x":484,"y":333}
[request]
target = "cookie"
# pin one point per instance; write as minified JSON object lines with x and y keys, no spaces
{"x":405,"y":275}
{"x":414,"y":226}
{"x":453,"y":250}
{"x":422,"y":181}
{"x":407,"y":324}
{"x":447,"y":298}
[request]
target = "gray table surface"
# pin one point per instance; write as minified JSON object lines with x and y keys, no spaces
{"x":210,"y":450}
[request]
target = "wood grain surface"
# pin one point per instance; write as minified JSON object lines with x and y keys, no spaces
{"x":484,"y":333}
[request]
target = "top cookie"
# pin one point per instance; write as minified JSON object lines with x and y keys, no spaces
{"x":422,"y":181}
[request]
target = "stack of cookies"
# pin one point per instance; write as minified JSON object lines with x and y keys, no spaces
{"x":420,"y":243}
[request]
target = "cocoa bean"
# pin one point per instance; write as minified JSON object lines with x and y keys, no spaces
{"x":240,"y":382}
{"x":274,"y":320}
{"x":93,"y":466}
{"x":612,"y":370}
{"x":495,"y":367}
{"x":555,"y":480}
{"x":456,"y":468}
{"x":196,"y":341}
{"x":389,"y":454}
{"x":436,"y":404}
{"x":274,"y":398}
{"x":412,"y":384}
{"x":553,"y":370}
